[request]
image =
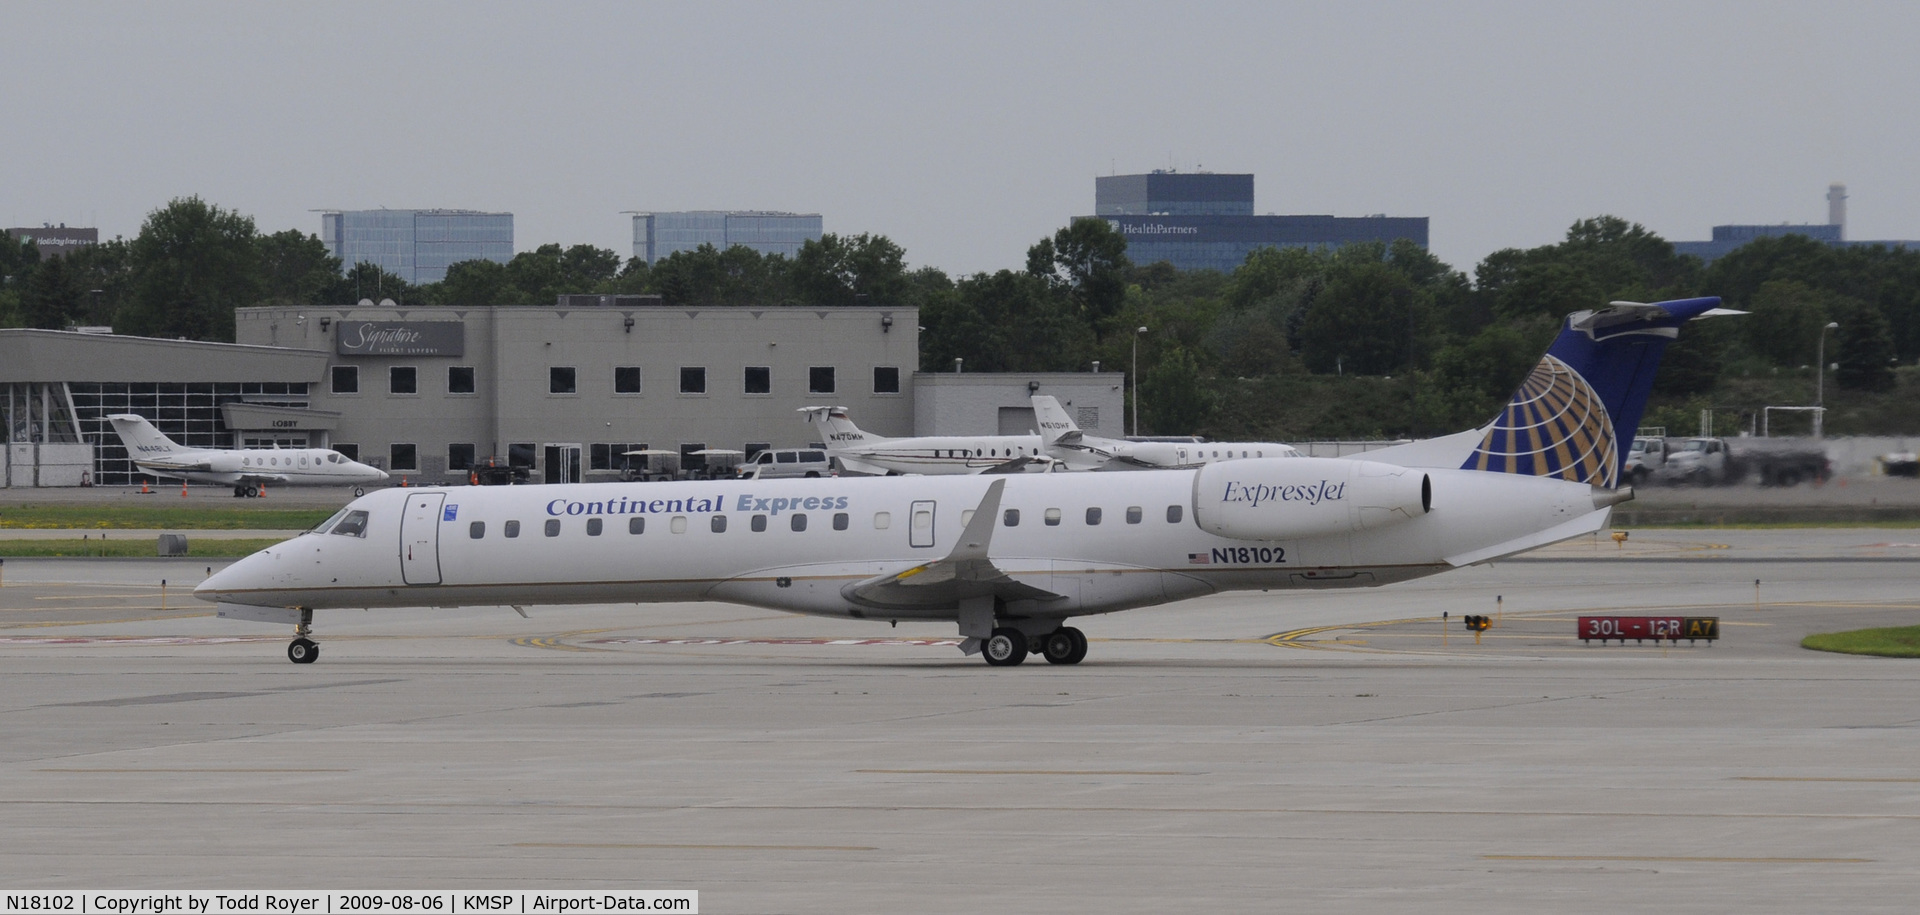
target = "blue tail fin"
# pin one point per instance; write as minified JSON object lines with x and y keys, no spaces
{"x":1586,"y":395}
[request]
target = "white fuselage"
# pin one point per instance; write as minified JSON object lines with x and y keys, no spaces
{"x":934,"y":455}
{"x":283,"y":466}
{"x":660,"y":542}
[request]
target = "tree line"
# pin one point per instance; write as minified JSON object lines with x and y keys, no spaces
{"x":1361,"y":341}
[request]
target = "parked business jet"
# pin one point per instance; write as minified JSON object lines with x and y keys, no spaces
{"x":245,"y":469}
{"x":1010,"y":559}
{"x":1062,"y":440}
{"x":863,"y":452}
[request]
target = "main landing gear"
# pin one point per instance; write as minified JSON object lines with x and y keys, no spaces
{"x":303,"y":650}
{"x":1008,"y":646}
{"x":245,"y":491}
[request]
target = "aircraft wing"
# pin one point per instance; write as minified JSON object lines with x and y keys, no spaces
{"x":265,"y":478}
{"x":964,"y":573}
{"x":856,"y":465}
{"x":175,"y":466}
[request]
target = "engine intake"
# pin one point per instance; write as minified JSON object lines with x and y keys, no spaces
{"x":1287,"y":498}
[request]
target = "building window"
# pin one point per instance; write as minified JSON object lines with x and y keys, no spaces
{"x":347,"y":450}
{"x":511,"y":529}
{"x":1093,"y":516}
{"x":460,"y":456}
{"x":759,"y":380}
{"x":753,"y":449}
{"x":886,"y":379}
{"x":460,"y":379}
{"x":820,"y":379}
{"x":520,"y":454}
{"x":626,"y":379}
{"x":401,"y":379}
{"x":613,"y":456}
{"x":346,"y":379}
{"x":553,"y":527}
{"x":403,"y":457}
{"x":560,"y":380}
{"x":693,"y":379}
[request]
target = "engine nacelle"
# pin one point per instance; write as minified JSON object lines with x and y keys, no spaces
{"x":1287,"y":498}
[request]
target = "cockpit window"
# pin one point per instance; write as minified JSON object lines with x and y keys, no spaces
{"x":353,"y":525}
{"x":333,"y":457}
{"x":322,"y":527}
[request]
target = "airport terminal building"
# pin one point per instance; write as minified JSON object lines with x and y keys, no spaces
{"x":426,"y":393}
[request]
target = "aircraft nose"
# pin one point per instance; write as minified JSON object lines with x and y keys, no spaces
{"x":245,"y":575}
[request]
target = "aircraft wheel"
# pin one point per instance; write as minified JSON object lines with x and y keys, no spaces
{"x":1005,"y":647}
{"x":359,"y":491}
{"x":239,"y":491}
{"x":1059,"y":646}
{"x":303,"y":651}
{"x":1079,"y":644}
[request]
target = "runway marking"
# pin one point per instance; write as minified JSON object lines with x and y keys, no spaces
{"x":1016,"y":772}
{"x":1691,"y":859}
{"x":625,"y":640}
{"x":1813,"y":778}
{"x":111,"y":771}
{"x":550,"y":642}
{"x":696,"y":847}
{"x":133,"y":639}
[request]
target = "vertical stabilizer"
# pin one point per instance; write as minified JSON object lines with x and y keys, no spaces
{"x":1052,"y":419}
{"x":1586,"y":396}
{"x":836,"y":430}
{"x":140,"y":437}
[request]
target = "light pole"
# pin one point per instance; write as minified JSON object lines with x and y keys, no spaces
{"x":1820,"y":386}
{"x":1135,"y":373}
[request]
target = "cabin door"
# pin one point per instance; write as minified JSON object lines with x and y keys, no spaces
{"x":920,"y":525}
{"x":420,"y":538}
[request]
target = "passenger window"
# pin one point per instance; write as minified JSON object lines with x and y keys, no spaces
{"x":759,"y":523}
{"x":553,"y":527}
{"x":813,"y":457}
{"x":882,"y":521}
{"x":966,"y":518}
{"x":799,"y":522}
{"x":718,"y":524}
{"x":678,"y":525}
{"x":1133,"y":514}
{"x":593,"y":527}
{"x":1011,"y":518}
{"x":785,"y":457}
{"x":511,"y":530}
{"x":636,"y":525}
{"x":353,"y":525}
{"x":1173,"y":514}
{"x":1052,"y":517}
{"x":839,"y":521}
{"x":1093,"y":516}
{"x":477,"y":529}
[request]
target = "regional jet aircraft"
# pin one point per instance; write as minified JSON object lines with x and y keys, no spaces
{"x":1009,"y":559}
{"x":863,"y":452}
{"x":245,"y":469}
{"x":1063,"y":441}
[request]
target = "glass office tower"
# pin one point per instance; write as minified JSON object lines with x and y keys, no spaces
{"x":416,"y":245}
{"x":656,"y":235}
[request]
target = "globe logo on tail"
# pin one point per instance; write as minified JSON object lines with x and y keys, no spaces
{"x":1555,"y":426}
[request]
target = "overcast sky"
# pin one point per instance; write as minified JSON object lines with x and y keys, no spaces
{"x":966,"y":131}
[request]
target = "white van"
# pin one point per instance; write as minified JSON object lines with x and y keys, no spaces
{"x":780,"y":463}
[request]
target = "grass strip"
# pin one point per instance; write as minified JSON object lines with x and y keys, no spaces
{"x":144,"y":548}
{"x":176,"y":518}
{"x":1895,"y":642}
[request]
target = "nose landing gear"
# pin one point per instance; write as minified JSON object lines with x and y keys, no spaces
{"x":303,"y":650}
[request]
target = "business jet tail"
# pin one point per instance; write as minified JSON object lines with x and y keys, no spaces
{"x":140,"y":437}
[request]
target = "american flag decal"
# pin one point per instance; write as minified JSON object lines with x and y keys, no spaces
{"x":1199,"y":559}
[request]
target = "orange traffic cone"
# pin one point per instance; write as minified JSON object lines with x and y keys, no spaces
{"x":183,"y":489}
{"x":263,"y":490}
{"x":144,"y":489}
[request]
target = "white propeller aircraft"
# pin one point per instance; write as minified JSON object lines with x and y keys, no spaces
{"x":1010,"y":559}
{"x":863,"y":452}
{"x":245,"y":469}
{"x":1062,"y":440}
